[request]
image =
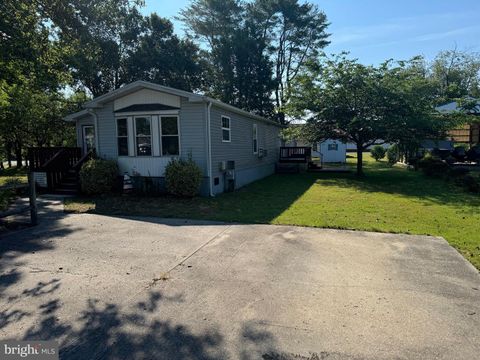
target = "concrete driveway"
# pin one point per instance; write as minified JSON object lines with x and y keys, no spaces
{"x":109,"y":288}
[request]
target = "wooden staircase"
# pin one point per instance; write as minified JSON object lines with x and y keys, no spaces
{"x":61,"y":166}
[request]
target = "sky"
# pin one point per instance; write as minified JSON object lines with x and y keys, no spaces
{"x":377,"y":30}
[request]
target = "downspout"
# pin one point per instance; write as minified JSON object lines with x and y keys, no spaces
{"x":95,"y":120}
{"x":209,"y":151}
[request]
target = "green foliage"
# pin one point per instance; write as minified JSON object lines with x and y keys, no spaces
{"x":378,"y":152}
{"x":471,"y":183}
{"x":6,"y":197}
{"x":97,"y":176}
{"x":183,"y":177}
{"x":351,"y":102}
{"x":393,"y":154}
{"x":256,"y":48}
{"x":433,"y":166}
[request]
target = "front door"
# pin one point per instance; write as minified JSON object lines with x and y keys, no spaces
{"x":88,"y":138}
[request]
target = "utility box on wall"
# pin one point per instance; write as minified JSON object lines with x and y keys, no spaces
{"x":229,"y":176}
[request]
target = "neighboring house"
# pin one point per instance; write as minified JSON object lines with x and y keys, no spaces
{"x":143,"y":125}
{"x":468,"y":133}
{"x":329,"y":151}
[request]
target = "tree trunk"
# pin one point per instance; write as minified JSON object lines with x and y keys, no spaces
{"x":18,"y":156}
{"x":359,"y":160}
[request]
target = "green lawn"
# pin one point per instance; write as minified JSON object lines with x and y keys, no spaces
{"x":13,"y":176}
{"x":9,"y":179}
{"x":386,"y":199}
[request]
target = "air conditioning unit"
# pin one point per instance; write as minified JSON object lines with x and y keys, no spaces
{"x":262,"y":153}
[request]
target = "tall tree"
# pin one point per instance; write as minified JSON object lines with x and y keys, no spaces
{"x":161,"y":57}
{"x":295,"y":34}
{"x":351,"y":102}
{"x":456,"y":74}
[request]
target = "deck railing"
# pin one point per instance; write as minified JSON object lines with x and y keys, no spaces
{"x":54,"y":161}
{"x":300,"y":154}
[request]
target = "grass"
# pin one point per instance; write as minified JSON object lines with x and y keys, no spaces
{"x":387,"y":200}
{"x":9,"y":180}
{"x":13,"y":175}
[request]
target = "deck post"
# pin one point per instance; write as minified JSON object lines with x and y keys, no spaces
{"x":32,"y":198}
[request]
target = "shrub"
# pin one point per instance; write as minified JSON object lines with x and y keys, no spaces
{"x":378,"y":152}
{"x":471,"y":183}
{"x":98,"y":176}
{"x":457,"y":172}
{"x":433,"y":166}
{"x":393,"y":154}
{"x":183,"y":177}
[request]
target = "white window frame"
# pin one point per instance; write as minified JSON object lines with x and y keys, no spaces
{"x":122,"y":136}
{"x":255,"y":138}
{"x":229,"y":129}
{"x":136,"y":138}
{"x":161,"y":134}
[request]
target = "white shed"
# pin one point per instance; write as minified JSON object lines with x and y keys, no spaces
{"x":332,"y":151}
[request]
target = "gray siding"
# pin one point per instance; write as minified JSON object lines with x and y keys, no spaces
{"x":248,"y":166}
{"x":106,"y":132}
{"x":193,"y":132}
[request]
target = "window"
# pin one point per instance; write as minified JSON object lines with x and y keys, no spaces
{"x":255,"y":139}
{"x":225,"y":129}
{"x":143,"y":136}
{"x":332,"y":147}
{"x":170,"y":138}
{"x":122,"y":137}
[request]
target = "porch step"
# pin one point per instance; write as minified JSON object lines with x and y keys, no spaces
{"x":65,"y":191}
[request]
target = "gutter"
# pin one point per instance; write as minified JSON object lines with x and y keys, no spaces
{"x":209,"y":150}
{"x":95,"y":119}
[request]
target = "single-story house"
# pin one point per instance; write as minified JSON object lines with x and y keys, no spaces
{"x":143,"y":125}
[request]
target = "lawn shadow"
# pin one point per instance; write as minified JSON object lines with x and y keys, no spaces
{"x":30,"y":240}
{"x":403,"y":182}
{"x":259,"y":202}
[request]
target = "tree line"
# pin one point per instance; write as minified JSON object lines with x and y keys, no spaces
{"x":258,"y":55}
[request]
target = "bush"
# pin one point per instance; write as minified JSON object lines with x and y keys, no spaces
{"x":393,"y":154}
{"x":98,"y":176}
{"x":471,"y":183}
{"x":183,"y":177}
{"x":433,"y":166}
{"x":378,"y":152}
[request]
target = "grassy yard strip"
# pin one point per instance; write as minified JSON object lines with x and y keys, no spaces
{"x":13,"y":176}
{"x":386,"y":200}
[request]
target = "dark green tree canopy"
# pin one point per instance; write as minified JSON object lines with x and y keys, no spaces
{"x":345,"y":100}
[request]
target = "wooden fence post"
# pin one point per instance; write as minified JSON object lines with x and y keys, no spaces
{"x":33,"y":198}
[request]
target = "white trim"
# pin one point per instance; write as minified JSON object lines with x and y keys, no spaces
{"x":161,"y":135}
{"x":255,"y":138}
{"x":84,"y":147}
{"x":156,"y":146}
{"x":151,"y":135}
{"x":131,"y":138}
{"x":140,"y":113}
{"x":95,"y":122}
{"x":209,"y":155}
{"x":224,"y":128}
{"x":123,"y":136}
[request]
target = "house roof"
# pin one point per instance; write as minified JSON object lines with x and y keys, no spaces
{"x":140,"y":84}
{"x":455,"y":107}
